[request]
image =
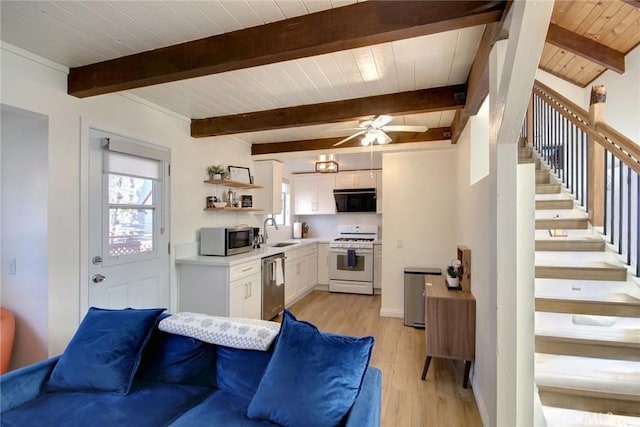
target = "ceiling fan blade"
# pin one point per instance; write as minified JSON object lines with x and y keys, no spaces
{"x":349,"y":138}
{"x":387,"y":138}
{"x":380,"y":121}
{"x":405,"y":128}
{"x":365,"y":123}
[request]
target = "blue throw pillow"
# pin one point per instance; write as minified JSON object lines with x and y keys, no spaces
{"x":105,"y":351}
{"x":240,"y":371}
{"x":177,"y":359}
{"x":313,"y":377}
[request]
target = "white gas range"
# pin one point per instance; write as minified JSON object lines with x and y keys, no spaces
{"x":351,"y":259}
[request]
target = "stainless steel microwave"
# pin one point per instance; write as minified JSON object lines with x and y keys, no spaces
{"x":225,"y":241}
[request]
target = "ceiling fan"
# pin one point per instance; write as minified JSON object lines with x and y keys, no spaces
{"x":374,"y":130}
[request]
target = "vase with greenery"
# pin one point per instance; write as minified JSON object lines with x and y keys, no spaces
{"x":454,"y":271}
{"x":216,"y":172}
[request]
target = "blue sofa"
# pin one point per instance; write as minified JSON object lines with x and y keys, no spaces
{"x":217,"y":390}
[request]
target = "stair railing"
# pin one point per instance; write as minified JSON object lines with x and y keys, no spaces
{"x":597,"y":164}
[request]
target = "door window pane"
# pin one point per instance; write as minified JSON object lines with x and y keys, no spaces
{"x":126,"y":190}
{"x":130,"y":231}
{"x":132,"y":214}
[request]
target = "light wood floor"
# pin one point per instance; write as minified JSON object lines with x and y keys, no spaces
{"x":399,"y":351}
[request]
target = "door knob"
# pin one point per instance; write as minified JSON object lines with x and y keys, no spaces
{"x":97,"y":278}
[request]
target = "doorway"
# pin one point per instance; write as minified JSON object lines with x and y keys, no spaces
{"x":128,"y":223}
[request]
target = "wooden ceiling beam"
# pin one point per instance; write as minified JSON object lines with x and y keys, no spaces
{"x":417,"y":101}
{"x":478,"y":80}
{"x":586,"y":48}
{"x":635,"y":3}
{"x":348,"y":27}
{"x":434,"y":134}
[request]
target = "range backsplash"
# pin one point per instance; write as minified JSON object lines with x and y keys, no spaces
{"x":326,"y":226}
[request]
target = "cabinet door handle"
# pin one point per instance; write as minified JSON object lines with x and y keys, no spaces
{"x":250,"y":289}
{"x":246,"y":269}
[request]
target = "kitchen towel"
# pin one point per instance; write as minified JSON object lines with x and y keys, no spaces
{"x":351,"y":258}
{"x":279,"y":265}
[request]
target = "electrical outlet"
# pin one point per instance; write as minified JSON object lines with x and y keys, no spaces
{"x":400,"y":244}
{"x":12,"y":266}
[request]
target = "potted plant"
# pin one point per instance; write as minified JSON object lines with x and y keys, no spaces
{"x":454,"y":271}
{"x":216,"y":172}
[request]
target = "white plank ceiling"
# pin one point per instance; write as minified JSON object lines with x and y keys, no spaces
{"x":75,"y":33}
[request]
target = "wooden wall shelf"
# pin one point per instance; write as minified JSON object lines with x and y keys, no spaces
{"x":227,"y":208}
{"x":231,"y":183}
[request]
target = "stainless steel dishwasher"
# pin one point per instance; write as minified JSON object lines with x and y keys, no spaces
{"x":273,"y":283}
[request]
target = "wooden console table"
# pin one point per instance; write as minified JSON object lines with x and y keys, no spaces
{"x":450,"y":324}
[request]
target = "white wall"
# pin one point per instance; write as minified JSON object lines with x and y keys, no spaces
{"x":37,"y":85}
{"x":24,"y":231}
{"x":622,"y":110}
{"x":419,"y":208}
{"x":475,"y":229}
{"x":623,"y":92}
{"x":568,"y":90}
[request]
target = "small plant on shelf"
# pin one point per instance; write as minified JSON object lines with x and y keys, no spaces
{"x":454,"y":271}
{"x":216,"y":172}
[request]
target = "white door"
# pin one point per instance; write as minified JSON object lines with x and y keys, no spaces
{"x":128,"y":223}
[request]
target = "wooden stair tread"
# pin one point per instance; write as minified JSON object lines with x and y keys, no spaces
{"x":611,"y":336}
{"x":581,"y":271}
{"x":584,"y":297}
{"x":559,"y":417}
{"x":554,"y":204}
{"x":569,"y":244}
{"x":625,"y":387}
{"x":561,"y":223}
{"x":589,"y":375}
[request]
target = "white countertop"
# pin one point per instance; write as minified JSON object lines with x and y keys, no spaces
{"x":254,"y":255}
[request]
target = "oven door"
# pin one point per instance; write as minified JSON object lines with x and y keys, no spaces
{"x":359,"y":270}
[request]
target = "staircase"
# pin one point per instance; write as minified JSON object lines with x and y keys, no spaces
{"x":587,"y":362}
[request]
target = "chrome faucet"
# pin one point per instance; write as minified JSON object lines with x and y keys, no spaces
{"x":265,"y":234}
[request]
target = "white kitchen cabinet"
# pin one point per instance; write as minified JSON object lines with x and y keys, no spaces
{"x":221,"y":290}
{"x":323,"y":263}
{"x":314,"y":194}
{"x":379,"y":192}
{"x":356,"y":179}
{"x":294,"y":275}
{"x":245,"y":297}
{"x":269,"y":174}
{"x":377,"y":266}
{"x":290,"y":279}
{"x":311,"y":267}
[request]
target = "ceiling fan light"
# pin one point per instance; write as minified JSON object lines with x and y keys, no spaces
{"x":380,"y":139}
{"x":368,"y":138}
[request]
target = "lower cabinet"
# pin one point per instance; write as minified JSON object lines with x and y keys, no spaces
{"x":323,"y":264}
{"x":221,"y":290}
{"x":245,"y":297}
{"x":300,"y":272}
{"x":311,"y":258}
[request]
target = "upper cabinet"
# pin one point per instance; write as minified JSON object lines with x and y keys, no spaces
{"x":356,"y":179}
{"x":314,"y":194}
{"x":269,"y":174}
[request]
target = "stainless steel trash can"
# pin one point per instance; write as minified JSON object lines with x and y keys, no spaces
{"x":414,"y":294}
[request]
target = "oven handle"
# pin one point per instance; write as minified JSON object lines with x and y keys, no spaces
{"x":358,"y":251}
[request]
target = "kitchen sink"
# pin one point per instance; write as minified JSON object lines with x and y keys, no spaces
{"x":283,"y":244}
